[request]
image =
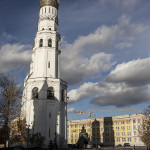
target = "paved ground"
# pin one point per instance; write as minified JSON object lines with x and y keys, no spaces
{"x":120,"y":148}
{"x":126,"y":148}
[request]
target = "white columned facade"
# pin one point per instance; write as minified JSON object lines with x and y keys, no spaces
{"x":44,"y":99}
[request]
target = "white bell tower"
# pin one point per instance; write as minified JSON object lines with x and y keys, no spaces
{"x":44,"y":102}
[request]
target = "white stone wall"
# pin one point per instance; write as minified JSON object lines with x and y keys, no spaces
{"x":46,"y":116}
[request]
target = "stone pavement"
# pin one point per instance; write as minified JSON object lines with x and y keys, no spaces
{"x":119,"y":148}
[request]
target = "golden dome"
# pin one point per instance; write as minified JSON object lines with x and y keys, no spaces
{"x":54,"y":3}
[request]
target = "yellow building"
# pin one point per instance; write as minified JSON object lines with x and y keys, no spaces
{"x":108,"y":130}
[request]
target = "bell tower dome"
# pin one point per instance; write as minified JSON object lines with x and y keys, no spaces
{"x":54,"y":3}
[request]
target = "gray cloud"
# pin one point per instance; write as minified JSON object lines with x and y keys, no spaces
{"x":83,"y":59}
{"x":122,"y":96}
{"x":13,"y":57}
{"x":128,"y":84}
{"x":6,"y":38}
{"x":120,"y":3}
{"x":123,"y":45}
{"x":84,"y":91}
{"x":136,"y":72}
{"x":71,"y":110}
{"x":79,"y":68}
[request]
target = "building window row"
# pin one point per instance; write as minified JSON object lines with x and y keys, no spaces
{"x":50,"y":93}
{"x":124,"y":139}
{"x":49,"y":43}
{"x":122,"y":127}
{"x":123,"y":122}
{"x":123,"y":133}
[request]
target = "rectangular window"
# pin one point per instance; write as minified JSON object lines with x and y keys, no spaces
{"x":49,"y":132}
{"x":49,"y":65}
{"x":50,"y":115}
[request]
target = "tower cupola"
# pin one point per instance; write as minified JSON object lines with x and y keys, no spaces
{"x":54,"y":3}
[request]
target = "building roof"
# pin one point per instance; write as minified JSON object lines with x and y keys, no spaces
{"x":124,"y":117}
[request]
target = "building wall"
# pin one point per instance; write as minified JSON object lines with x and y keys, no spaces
{"x":109,"y":131}
{"x":46,"y":113}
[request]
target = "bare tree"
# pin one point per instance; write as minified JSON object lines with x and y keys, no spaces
{"x":145,"y":130}
{"x":10,"y":95}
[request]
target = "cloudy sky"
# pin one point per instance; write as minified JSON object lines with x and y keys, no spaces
{"x":105,"y":51}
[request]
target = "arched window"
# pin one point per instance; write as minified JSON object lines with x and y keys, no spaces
{"x":35,"y":93}
{"x":41,"y":43}
{"x":49,"y":42}
{"x":50,"y":93}
{"x":63,"y":95}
